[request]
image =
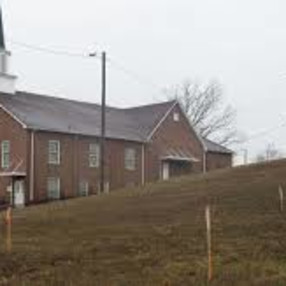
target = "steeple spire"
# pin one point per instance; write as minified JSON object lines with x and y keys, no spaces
{"x":2,"y":37}
{"x":7,"y":80}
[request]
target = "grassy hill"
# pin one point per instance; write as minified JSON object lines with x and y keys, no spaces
{"x":156,"y":235}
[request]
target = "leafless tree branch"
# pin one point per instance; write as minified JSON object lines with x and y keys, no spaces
{"x":270,"y":153}
{"x":204,"y":106}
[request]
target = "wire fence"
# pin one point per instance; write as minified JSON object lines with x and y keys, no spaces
{"x":210,"y":230}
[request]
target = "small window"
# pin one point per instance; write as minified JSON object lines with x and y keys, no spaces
{"x":5,"y":154}
{"x":54,"y":152}
{"x":94,"y":152}
{"x":83,"y":189}
{"x":54,"y":192}
{"x":130,"y":159}
{"x":176,"y":117}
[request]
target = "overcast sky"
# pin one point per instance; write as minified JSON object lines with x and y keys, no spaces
{"x":241,"y":43}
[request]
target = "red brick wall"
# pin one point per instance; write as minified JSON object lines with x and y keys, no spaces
{"x":117,"y":174}
{"x":11,"y":130}
{"x":43,"y":170}
{"x":74,"y":166}
{"x":218,"y":161}
{"x":172,"y":135}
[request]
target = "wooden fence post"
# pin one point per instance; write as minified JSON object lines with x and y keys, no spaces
{"x":281,"y":196}
{"x":209,"y":243}
{"x":8,"y":220}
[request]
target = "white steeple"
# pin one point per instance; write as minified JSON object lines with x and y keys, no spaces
{"x":7,"y":81}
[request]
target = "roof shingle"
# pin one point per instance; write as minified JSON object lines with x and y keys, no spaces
{"x":47,"y":113}
{"x":215,"y":147}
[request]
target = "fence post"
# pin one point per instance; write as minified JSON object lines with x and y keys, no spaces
{"x":209,"y":242}
{"x":8,"y":220}
{"x":281,"y":196}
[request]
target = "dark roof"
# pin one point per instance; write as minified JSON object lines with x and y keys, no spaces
{"x":2,"y":38}
{"x":215,"y":147}
{"x":47,"y":113}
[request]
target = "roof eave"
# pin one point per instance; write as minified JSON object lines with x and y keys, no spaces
{"x":24,"y":125}
{"x":221,"y":152}
{"x":35,"y":129}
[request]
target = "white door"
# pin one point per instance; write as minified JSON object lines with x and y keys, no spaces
{"x":19,"y":193}
{"x":106,"y":188}
{"x":166,"y":172}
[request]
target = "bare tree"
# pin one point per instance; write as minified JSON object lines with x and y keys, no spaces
{"x":260,"y":158}
{"x":204,"y":106}
{"x":270,"y":153}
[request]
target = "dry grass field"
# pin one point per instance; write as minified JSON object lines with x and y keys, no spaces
{"x":156,"y":235}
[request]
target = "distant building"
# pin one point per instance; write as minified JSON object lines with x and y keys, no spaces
{"x":49,"y":147}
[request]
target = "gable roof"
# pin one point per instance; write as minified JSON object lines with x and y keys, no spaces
{"x":39,"y":112}
{"x":215,"y":147}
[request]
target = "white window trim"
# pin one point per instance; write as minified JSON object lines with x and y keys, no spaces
{"x":83,"y":192}
{"x":4,"y":164}
{"x":128,"y":160}
{"x":58,"y":153}
{"x":93,"y":153}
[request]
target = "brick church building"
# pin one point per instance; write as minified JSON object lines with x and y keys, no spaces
{"x":49,"y":147}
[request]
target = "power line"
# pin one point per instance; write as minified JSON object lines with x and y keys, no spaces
{"x":139,"y":78}
{"x":115,"y":64}
{"x":47,"y":50}
{"x":265,"y":132}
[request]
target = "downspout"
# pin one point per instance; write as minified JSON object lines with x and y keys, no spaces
{"x":205,"y":150}
{"x":32,"y":166}
{"x":143,"y":165}
{"x":204,"y":161}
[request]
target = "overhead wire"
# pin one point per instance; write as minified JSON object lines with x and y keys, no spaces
{"x":139,"y":78}
{"x":43,"y":49}
{"x":265,"y":132}
{"x":120,"y":67}
{"x":131,"y":73}
{"x":113,"y":63}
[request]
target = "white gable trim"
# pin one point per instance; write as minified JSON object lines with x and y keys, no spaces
{"x":200,"y":140}
{"x":195,"y":131}
{"x":161,"y":121}
{"x":191,"y":127}
{"x":165,"y":117}
{"x":13,"y":116}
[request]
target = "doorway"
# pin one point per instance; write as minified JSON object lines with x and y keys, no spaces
{"x":19,"y":193}
{"x":165,"y":171}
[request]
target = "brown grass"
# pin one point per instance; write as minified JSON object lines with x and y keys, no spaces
{"x":156,"y":235}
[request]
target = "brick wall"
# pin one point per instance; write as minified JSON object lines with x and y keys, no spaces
{"x":74,"y":166}
{"x":172,"y":135}
{"x":11,"y":130}
{"x":218,"y":161}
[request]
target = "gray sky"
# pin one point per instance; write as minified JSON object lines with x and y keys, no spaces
{"x":241,"y":43}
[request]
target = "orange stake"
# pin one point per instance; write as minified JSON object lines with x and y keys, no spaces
{"x":209,"y":243}
{"x":8,"y":219}
{"x":281,"y":196}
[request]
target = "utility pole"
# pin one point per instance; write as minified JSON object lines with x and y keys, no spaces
{"x":103,"y":122}
{"x":245,"y":156}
